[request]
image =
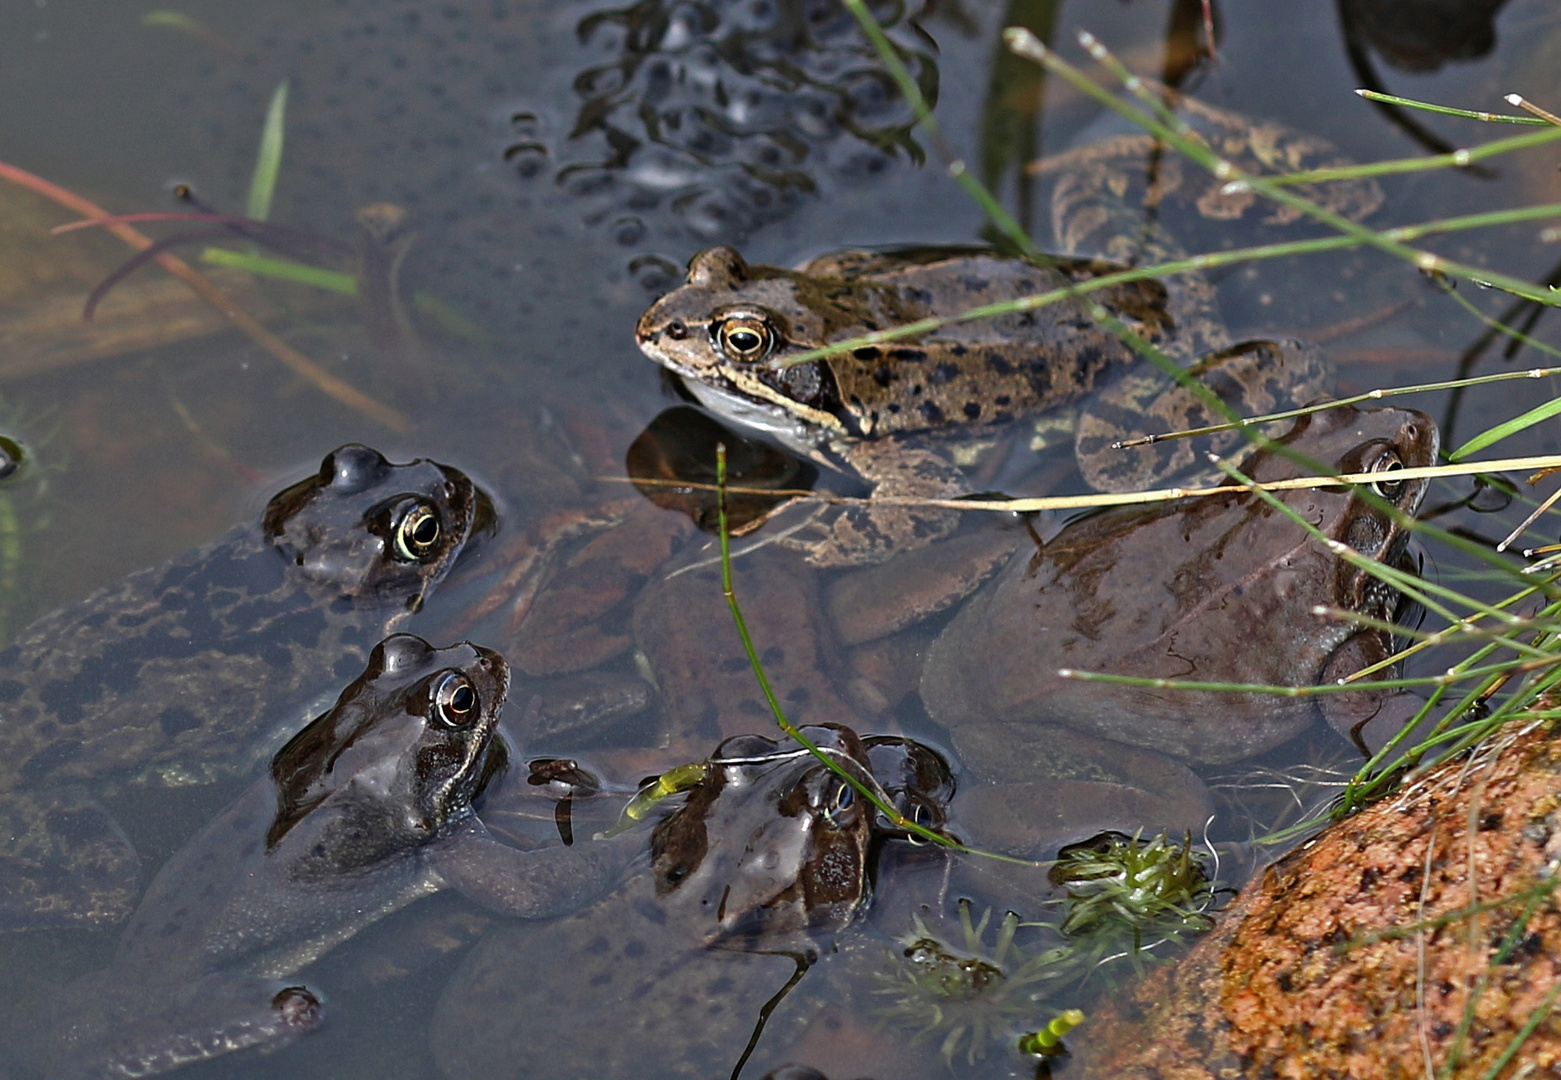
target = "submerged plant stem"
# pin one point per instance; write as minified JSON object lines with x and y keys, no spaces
{"x":198,"y":283}
{"x":876,"y":798}
{"x":956,"y":168}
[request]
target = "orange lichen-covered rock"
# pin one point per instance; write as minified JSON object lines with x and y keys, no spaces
{"x":1421,"y":937}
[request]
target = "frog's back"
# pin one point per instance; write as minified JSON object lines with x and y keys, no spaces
{"x":197,"y":669}
{"x":161,"y":674}
{"x":986,"y":371}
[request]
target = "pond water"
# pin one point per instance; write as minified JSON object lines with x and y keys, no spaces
{"x":558,"y":164}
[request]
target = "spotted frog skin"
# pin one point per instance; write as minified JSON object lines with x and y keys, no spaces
{"x":899,"y":415}
{"x":896,"y":415}
{"x":771,"y":854}
{"x":1215,"y":589}
{"x":365,"y":810}
{"x":185,"y":673}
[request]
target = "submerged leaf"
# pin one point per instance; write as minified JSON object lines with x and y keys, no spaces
{"x":269,"y":161}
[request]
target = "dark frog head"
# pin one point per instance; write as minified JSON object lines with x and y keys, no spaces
{"x":369,"y":530}
{"x":407,"y":747}
{"x":774,"y":844}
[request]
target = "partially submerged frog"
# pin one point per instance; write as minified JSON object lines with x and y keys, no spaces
{"x":900,"y":416}
{"x":771,"y":854}
{"x":903,"y":415}
{"x":1217,"y":589}
{"x":187,"y":672}
{"x":365,"y":810}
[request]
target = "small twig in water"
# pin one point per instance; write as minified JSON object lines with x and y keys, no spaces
{"x":348,"y":395}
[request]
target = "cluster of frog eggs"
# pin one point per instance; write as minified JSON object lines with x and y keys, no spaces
{"x":724,"y":118}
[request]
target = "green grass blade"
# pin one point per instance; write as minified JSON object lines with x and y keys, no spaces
{"x":1205,"y":261}
{"x":1446,"y":110}
{"x":1511,"y":427}
{"x":874,"y":797}
{"x":1457,"y":159}
{"x":187,"y":24}
{"x":269,"y":161}
{"x":332,"y":280}
{"x":1178,"y":136}
{"x":173,"y":20}
{"x":913,"y":96}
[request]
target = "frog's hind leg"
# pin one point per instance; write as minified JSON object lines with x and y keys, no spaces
{"x":126,"y":1029}
{"x":64,"y":862}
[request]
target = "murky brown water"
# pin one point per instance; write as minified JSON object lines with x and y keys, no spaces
{"x":462,"y":115}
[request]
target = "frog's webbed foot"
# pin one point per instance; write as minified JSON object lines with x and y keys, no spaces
{"x":63,"y":862}
{"x":865,"y":534}
{"x":155,"y":1029}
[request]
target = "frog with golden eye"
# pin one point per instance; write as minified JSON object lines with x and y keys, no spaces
{"x":195,"y":670}
{"x":1218,"y":589}
{"x":907,"y":417}
{"x":365,"y":810}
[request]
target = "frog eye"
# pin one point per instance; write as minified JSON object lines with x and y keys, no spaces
{"x":418,"y":533}
{"x":840,"y":804}
{"x":745,"y":338}
{"x":1388,"y":489}
{"x":919,"y":812}
{"x":455,"y":701}
{"x":11,"y":456}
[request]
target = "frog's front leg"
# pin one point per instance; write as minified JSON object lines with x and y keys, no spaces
{"x":530,"y":884}
{"x":867,"y":534}
{"x":1368,"y":718}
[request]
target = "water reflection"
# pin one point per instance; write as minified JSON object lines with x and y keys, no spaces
{"x":673,"y":465}
{"x":1417,"y":36}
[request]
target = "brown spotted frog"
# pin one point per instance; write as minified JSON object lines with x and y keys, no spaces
{"x":904,"y":416}
{"x":196,"y":669}
{"x":364,"y":811}
{"x":892,"y":414}
{"x":771,"y":855}
{"x":1220,"y":589}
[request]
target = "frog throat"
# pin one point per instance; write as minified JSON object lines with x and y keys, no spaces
{"x":753,"y":387}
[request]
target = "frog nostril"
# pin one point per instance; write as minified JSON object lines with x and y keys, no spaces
{"x":676,"y":331}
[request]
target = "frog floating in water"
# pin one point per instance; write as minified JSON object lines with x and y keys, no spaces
{"x":367,"y":809}
{"x":1217,"y":589}
{"x":170,"y":676}
{"x":900,"y":416}
{"x":771,"y":853}
{"x":727,"y":331}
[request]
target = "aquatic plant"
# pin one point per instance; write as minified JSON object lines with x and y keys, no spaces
{"x":1123,"y":897}
{"x":968,"y":996}
{"x":1126,"y":895}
